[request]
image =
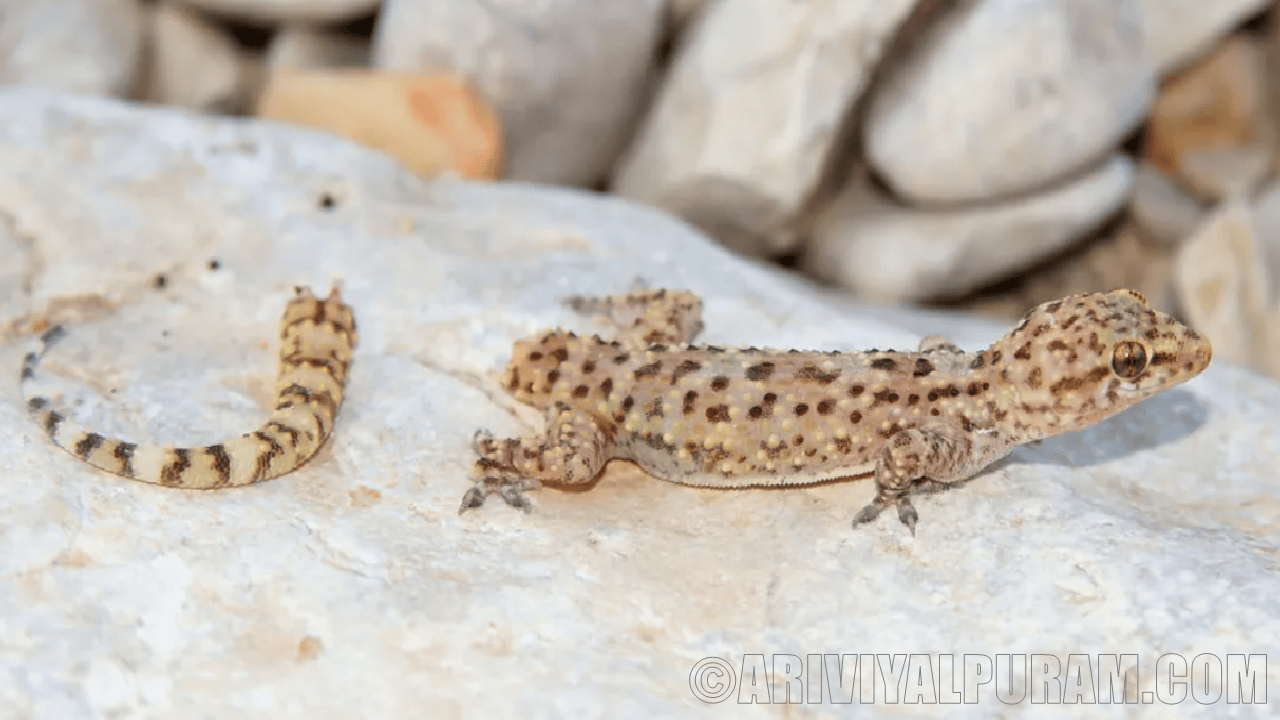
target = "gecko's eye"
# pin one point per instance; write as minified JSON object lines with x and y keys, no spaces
{"x":1129,"y":360}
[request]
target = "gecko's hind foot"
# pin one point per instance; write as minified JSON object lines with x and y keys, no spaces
{"x":907,"y":514}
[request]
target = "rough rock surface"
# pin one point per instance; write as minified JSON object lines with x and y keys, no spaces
{"x":1008,"y":95}
{"x":893,"y":253}
{"x":566,"y":77}
{"x":750,"y":111}
{"x":353,"y":589}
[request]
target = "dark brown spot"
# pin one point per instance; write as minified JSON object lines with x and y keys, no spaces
{"x":884,"y":364}
{"x":761,"y":371}
{"x":160,"y":281}
{"x":627,"y":403}
{"x":87,"y":445}
{"x":885,"y":396}
{"x":684,"y":368}
{"x":1035,"y":378}
{"x":815,"y":374}
{"x":755,"y":412}
{"x":770,"y":398}
{"x":718,"y":414}
{"x":1056,"y":345}
{"x":934,"y":412}
{"x":973,"y":389}
{"x":1067,"y":384}
{"x":855,"y":390}
{"x":719,"y":383}
{"x":923,"y":368}
{"x":801,"y":409}
{"x":826,"y":406}
{"x":995,"y":356}
{"x":171,"y":474}
{"x":649,"y":370}
{"x":1024,"y":352}
{"x":690,"y":398}
{"x":535,"y":355}
{"x":581,"y":391}
{"x":844,"y":444}
{"x":588,"y":367}
{"x":797,"y":441}
{"x":912,"y":399}
{"x":978,"y":361}
{"x":855,"y":417}
{"x":553,"y":377}
{"x":622,"y":359}
{"x":560,"y":354}
{"x":606,"y":387}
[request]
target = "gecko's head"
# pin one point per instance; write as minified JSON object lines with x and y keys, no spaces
{"x":1075,"y":361}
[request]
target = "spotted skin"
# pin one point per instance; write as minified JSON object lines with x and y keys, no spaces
{"x":733,"y":418}
{"x":317,"y":339}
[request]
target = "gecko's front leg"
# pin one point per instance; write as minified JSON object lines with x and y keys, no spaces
{"x":909,"y":458}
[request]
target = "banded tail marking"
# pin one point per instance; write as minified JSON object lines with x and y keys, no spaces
{"x":317,"y":341}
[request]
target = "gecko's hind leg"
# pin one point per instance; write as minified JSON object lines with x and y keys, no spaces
{"x":668,"y":317}
{"x":573,"y":453}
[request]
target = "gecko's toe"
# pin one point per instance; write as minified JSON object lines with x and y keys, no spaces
{"x":515,"y":498}
{"x":473,"y":498}
{"x":908,"y":516}
{"x":869,"y":513}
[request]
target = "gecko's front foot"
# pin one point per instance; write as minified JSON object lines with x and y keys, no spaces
{"x":907,"y":514}
{"x":496,"y":474}
{"x":513,"y":494}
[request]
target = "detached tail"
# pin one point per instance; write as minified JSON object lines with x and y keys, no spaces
{"x":317,"y":341}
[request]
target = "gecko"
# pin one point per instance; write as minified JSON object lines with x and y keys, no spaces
{"x":317,"y":341}
{"x":715,"y":417}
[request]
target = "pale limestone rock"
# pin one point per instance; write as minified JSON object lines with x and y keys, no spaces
{"x":750,"y":111}
{"x":195,"y":63}
{"x":288,"y":10}
{"x":306,"y":47}
{"x":1006,"y":96}
{"x":1167,"y":213}
{"x":353,"y":589}
{"x":892,"y":253}
{"x":1178,"y":30}
{"x":84,"y":46}
{"x":1224,"y":284}
{"x":565,"y":77}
